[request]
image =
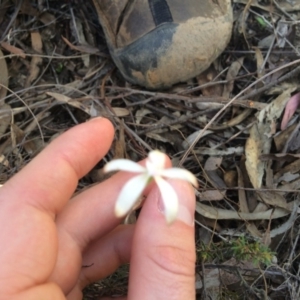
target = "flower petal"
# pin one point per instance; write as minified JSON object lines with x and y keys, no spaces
{"x":123,"y":165}
{"x":169,"y":198}
{"x":130,"y":194}
{"x":177,"y":173}
{"x":157,"y":159}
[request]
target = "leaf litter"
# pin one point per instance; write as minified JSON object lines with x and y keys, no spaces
{"x":235,"y":126}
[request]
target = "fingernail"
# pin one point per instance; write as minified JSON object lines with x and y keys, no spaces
{"x":186,"y":209}
{"x":185,"y":215}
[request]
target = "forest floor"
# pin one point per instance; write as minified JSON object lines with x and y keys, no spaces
{"x":235,"y":126}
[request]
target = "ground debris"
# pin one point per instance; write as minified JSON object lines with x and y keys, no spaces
{"x":235,"y":126}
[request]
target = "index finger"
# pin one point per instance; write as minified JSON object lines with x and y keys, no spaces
{"x":49,"y":181}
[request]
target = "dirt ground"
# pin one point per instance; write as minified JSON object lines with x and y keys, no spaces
{"x":235,"y":126}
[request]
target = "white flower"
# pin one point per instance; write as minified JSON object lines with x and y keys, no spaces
{"x":155,"y":170}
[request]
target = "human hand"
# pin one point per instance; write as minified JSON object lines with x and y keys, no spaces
{"x":46,"y":238}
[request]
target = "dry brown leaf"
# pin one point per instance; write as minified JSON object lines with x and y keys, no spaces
{"x":273,"y":198}
{"x":206,"y":77}
{"x":19,"y":137}
{"x":259,"y":64}
{"x":243,"y":205}
{"x":120,"y":111}
{"x":12,"y":49}
{"x":211,"y":279}
{"x":163,"y":133}
{"x":211,"y":171}
{"x":230,"y":178}
{"x":230,"y":278}
{"x":231,"y":76}
{"x":234,"y":121}
{"x":3,"y":77}
{"x":33,"y":125}
{"x":254,"y":148}
{"x":279,"y":156}
{"x":4,"y":161}
{"x":288,"y":177}
{"x":269,"y":182}
{"x":259,"y":141}
{"x":159,"y":137}
{"x":190,"y":139}
{"x":28,"y":9}
{"x":213,"y":163}
{"x":78,"y":33}
{"x":120,"y":145}
{"x":267,"y":41}
{"x":217,"y":152}
{"x":45,"y":17}
{"x":224,"y":214}
{"x":281,"y":139}
{"x":70,"y":101}
{"x":208,"y":223}
{"x":214,"y":278}
{"x":16,"y":136}
{"x":291,"y":186}
{"x":59,"y":97}
{"x":291,"y":168}
{"x":282,"y":31}
{"x":141,"y":113}
{"x":211,"y":195}
{"x":81,"y":48}
{"x":5,"y":119}
{"x":216,"y":180}
{"x":288,"y":224}
{"x":36,"y":61}
{"x":293,"y":142}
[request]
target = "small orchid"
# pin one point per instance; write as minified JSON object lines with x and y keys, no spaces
{"x":155,"y":170}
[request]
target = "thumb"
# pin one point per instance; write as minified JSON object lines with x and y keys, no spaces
{"x":163,"y":256}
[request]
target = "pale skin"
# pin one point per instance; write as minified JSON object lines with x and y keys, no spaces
{"x":46,"y":239}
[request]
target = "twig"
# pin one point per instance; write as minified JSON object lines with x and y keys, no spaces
{"x":137,"y":137}
{"x":180,"y":120}
{"x":12,"y":19}
{"x":287,"y":76}
{"x":237,"y":97}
